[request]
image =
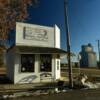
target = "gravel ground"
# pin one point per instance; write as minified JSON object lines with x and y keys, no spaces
{"x":69,"y":95}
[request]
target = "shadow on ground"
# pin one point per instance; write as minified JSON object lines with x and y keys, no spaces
{"x":4,"y":80}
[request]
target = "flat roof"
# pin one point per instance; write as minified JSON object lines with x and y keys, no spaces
{"x":38,"y":50}
{"x":41,"y":50}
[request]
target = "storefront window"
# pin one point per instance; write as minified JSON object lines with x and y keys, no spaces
{"x":27,"y":62}
{"x":45,"y":62}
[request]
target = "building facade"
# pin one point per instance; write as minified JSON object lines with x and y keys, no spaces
{"x":88,"y":56}
{"x":35,"y":57}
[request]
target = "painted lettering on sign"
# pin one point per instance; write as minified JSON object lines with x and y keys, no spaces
{"x":35,"y":34}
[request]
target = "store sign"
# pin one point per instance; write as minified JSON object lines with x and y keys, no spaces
{"x":35,"y":34}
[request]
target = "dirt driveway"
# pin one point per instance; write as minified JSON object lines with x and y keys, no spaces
{"x":70,"y":95}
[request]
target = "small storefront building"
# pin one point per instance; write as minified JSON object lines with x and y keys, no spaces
{"x":35,"y":57}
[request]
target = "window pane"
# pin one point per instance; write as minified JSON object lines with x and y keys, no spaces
{"x":45,"y":62}
{"x":27,"y":62}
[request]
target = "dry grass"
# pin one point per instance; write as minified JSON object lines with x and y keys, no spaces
{"x":87,"y":71}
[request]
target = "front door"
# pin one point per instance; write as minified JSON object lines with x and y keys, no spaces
{"x":45,"y":63}
{"x":45,"y":67}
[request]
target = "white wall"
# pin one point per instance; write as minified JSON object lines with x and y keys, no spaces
{"x":34,"y":77}
{"x":34,"y":35}
{"x":14,"y":69}
{"x":26,"y":77}
{"x":53,"y":67}
{"x":57,"y":36}
{"x":57,"y":71}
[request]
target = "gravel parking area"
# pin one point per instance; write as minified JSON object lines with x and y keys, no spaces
{"x":69,"y":95}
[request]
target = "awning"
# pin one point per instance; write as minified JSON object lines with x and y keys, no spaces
{"x":41,"y":50}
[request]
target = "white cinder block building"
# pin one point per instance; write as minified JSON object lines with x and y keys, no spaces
{"x":35,"y":57}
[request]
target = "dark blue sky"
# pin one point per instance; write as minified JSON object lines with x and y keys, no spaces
{"x":84,"y":20}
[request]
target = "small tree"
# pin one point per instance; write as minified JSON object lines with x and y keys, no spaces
{"x":2,"y":57}
{"x":10,"y":12}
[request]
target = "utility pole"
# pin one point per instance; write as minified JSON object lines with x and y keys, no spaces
{"x":68,"y":45}
{"x":99,"y":51}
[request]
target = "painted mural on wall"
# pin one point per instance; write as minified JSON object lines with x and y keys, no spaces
{"x":35,"y":34}
{"x":45,"y":75}
{"x":27,"y":79}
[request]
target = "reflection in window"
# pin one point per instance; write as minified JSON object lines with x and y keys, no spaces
{"x":45,"y":62}
{"x":27,"y":62}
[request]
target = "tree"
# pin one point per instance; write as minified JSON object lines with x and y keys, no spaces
{"x":12,"y":11}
